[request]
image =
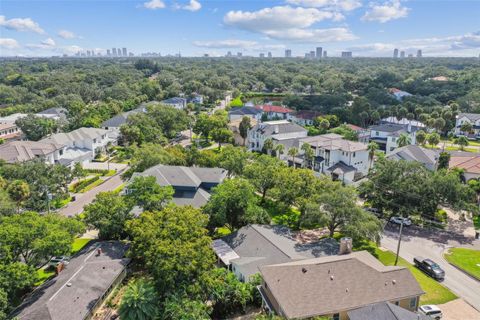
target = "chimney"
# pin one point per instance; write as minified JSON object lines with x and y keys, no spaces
{"x":345,"y":245}
{"x":276,"y":129}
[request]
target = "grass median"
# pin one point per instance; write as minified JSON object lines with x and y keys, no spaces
{"x":466,"y":259}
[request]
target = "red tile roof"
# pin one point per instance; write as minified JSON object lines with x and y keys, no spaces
{"x":355,"y":128}
{"x":471,"y":164}
{"x":277,"y":109}
{"x":307,"y":114}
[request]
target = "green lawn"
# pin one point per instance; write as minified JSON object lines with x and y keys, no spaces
{"x":119,"y":188}
{"x":92,"y":185}
{"x":43,"y":275}
{"x":455,"y":148}
{"x":78,"y":244}
{"x":466,"y":259}
{"x":60,"y":203}
{"x":435,"y":293}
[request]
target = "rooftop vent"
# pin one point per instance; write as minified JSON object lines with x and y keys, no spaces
{"x":345,"y":245}
{"x":304,"y":270}
{"x":332,"y":277}
{"x":394,"y":281}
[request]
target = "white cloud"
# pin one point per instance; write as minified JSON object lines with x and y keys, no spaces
{"x":373,"y":47}
{"x":194,"y":5}
{"x":21,"y":24}
{"x":312,"y":35}
{"x":154,"y":4}
{"x":229,"y":43}
{"x":387,"y":11}
{"x":48,"y":43}
{"x":277,"y":18}
{"x":65,"y":34}
{"x":345,"y":5}
{"x":8,"y":43}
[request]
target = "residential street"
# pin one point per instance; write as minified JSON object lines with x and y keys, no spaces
{"x":76,"y":207}
{"x":432,"y":244}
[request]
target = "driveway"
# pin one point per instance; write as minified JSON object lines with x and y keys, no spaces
{"x":104,"y":166}
{"x":432,"y":244}
{"x":76,"y":207}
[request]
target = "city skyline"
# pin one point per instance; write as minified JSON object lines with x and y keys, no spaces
{"x":197,"y":28}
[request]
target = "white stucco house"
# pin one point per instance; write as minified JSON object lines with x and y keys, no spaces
{"x":275,"y":130}
{"x":176,"y":102}
{"x":386,"y":135}
{"x":473,"y":119}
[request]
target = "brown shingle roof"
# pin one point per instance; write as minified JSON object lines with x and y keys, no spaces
{"x":19,"y":151}
{"x":471,"y":164}
{"x":332,"y":284}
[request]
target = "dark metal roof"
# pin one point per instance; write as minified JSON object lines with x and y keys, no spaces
{"x":384,"y":311}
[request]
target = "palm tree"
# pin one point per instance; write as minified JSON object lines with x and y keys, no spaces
{"x":292,"y":152}
{"x":404,"y":140}
{"x":372,"y":148}
{"x":462,"y":141}
{"x":268,"y":146}
{"x":308,"y":154}
{"x":279,"y":149}
{"x":466,"y":127}
{"x":139,"y":301}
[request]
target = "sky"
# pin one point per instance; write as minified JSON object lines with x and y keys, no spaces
{"x":214,"y":27}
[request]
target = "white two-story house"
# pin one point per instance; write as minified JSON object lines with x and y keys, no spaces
{"x":342,"y":159}
{"x":82,"y":145}
{"x":386,"y":135}
{"x":275,"y":130}
{"x":473,"y":119}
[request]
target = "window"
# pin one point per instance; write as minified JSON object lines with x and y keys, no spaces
{"x":413,"y":302}
{"x":397,"y":303}
{"x":376,"y":133}
{"x":336,"y":316}
{"x":354,"y":154}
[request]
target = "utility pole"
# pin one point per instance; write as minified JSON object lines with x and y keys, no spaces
{"x":399,"y":241}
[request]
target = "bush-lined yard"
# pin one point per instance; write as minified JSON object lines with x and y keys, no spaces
{"x":466,"y":259}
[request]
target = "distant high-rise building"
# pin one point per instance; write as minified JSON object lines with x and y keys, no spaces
{"x":239,"y":54}
{"x":88,"y":53}
{"x":229,"y":54}
{"x":124,"y":52}
{"x":346,"y":54}
{"x":395,"y":53}
{"x":419,"y":53}
{"x":262,"y":55}
{"x":312,"y":54}
{"x":114,"y":52}
{"x":130,"y":54}
{"x":269,"y":54}
{"x":325,"y":53}
{"x":307,"y":55}
{"x":319,"y":52}
{"x":119,"y":52}
{"x":410,"y":55}
{"x":288,"y":53}
{"x":402,"y":54}
{"x":108,"y":53}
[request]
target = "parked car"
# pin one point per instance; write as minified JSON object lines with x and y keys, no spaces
{"x":56,"y":260}
{"x":398,"y":220}
{"x":431,"y":311}
{"x":429,"y":267}
{"x":374,"y":211}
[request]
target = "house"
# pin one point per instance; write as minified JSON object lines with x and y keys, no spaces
{"x":196,"y":99}
{"x":305,"y":117}
{"x":58,"y":114}
{"x":343,"y":160}
{"x":251,"y":247}
{"x":239,"y":113}
{"x":12,"y":118}
{"x":10,"y":132}
{"x":473,"y":119}
{"x":21,"y":151}
{"x":192,"y":185}
{"x":82,"y":144}
{"x":398,"y":94}
{"x":81,"y":287}
{"x":275,"y":112}
{"x":113,"y":124}
{"x":275,"y":130}
{"x":234,"y":126}
{"x":334,"y":285}
{"x":363,"y":134}
{"x":427,"y":157}
{"x":468,"y":162}
{"x":176,"y":102}
{"x":384,"y":311}
{"x":412,"y":125}
{"x":386,"y":136}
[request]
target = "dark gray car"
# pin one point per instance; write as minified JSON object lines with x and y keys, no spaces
{"x":429,"y":267}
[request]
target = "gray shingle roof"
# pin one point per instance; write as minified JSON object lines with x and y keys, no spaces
{"x":75,"y":135}
{"x":89,"y":275}
{"x":188,"y":182}
{"x":120,"y":119}
{"x":470,"y":116}
{"x":388,"y":127}
{"x":328,"y":285}
{"x":19,"y":151}
{"x":415,"y":153}
{"x":384,"y":311}
{"x":341,"y":167}
{"x":244,"y":111}
{"x":260,"y":245}
{"x":56,"y":111}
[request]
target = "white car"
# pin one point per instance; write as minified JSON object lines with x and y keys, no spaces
{"x":398,"y":220}
{"x":432,"y":311}
{"x":56,"y":260}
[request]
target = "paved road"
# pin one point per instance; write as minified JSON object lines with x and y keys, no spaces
{"x":427,"y":244}
{"x":82,"y":200}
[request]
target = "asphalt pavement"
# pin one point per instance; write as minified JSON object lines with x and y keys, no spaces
{"x":432,"y":244}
